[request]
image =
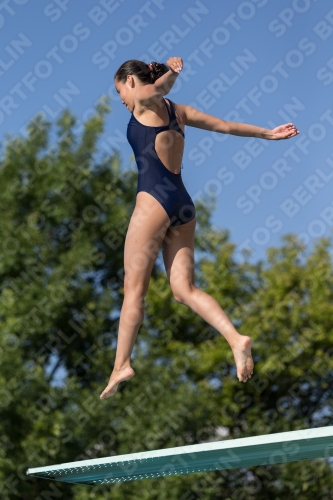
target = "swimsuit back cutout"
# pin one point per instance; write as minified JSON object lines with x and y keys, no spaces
{"x":154,"y":177}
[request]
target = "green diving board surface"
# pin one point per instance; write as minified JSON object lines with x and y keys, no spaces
{"x":217,"y":455}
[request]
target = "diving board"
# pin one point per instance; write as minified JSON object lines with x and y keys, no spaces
{"x":217,"y":455}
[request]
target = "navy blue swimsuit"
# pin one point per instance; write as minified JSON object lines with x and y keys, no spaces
{"x":154,"y":177}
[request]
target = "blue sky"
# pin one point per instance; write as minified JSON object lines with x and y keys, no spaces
{"x":261,"y":62}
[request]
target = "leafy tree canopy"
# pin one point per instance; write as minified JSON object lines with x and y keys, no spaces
{"x":64,"y":214}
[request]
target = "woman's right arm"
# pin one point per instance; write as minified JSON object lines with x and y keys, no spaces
{"x":197,"y":119}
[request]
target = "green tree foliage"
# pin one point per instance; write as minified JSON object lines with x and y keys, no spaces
{"x":64,"y":214}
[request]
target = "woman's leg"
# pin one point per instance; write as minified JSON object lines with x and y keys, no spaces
{"x":178,"y":255}
{"x":146,"y":231}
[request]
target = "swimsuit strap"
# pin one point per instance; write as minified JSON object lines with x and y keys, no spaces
{"x":172,"y":109}
{"x":173,"y":120}
{"x":171,"y":114}
{"x":167,"y":107}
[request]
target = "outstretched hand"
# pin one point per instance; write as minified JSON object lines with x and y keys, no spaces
{"x":284,"y":132}
{"x":175,"y":64}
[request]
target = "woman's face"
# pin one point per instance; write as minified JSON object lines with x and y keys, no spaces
{"x":126,"y":91}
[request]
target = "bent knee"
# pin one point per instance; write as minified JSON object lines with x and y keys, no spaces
{"x":182,"y":294}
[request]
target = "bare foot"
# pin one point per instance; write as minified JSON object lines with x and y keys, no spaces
{"x":243,"y":358}
{"x":116,"y":377}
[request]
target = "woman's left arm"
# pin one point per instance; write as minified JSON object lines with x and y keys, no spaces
{"x":164,"y":84}
{"x":195,"y":118}
{"x":153,"y":93}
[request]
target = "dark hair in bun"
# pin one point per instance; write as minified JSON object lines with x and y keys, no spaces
{"x":146,"y":73}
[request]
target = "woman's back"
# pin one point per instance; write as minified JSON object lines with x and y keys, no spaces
{"x":165,"y":141}
{"x":158,"y":152}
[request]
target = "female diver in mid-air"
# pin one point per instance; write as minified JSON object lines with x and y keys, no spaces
{"x":164,"y":213}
